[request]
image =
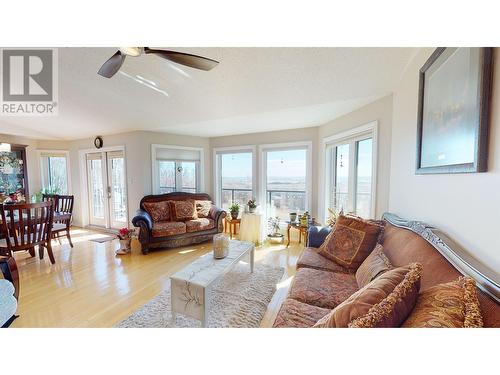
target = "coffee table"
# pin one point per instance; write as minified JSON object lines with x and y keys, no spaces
{"x":190,"y":287}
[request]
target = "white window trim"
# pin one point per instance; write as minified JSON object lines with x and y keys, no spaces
{"x":155,"y":183}
{"x":82,"y":156}
{"x":217,"y":169}
{"x":325,"y":179}
{"x":68,"y":168}
{"x":263,"y":171}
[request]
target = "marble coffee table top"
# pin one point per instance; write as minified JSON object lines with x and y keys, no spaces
{"x":206,"y":268}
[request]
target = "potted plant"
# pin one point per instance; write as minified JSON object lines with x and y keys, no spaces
{"x":252,"y":205}
{"x":274,"y":235}
{"x":234,"y":209}
{"x":125,"y":236}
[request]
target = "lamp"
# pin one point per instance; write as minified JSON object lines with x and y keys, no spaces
{"x":5,"y":147}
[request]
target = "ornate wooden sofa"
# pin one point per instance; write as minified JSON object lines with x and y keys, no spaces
{"x":321,"y":284}
{"x":174,"y":233}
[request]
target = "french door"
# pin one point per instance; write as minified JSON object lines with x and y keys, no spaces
{"x":107,"y":193}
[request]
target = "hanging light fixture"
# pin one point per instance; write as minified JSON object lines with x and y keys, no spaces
{"x":5,"y":147}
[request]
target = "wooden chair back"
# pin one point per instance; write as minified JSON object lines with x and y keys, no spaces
{"x":64,"y":204}
{"x":27,"y":225}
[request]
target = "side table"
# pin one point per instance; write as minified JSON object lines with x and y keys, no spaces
{"x":302,"y":232}
{"x":231,"y":224}
{"x":251,"y":228}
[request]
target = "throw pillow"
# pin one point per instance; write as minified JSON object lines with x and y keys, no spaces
{"x":159,"y":211}
{"x":385,"y":302}
{"x":351,"y":241}
{"x":450,"y":305}
{"x":183,"y":210}
{"x":203,"y":208}
{"x":375,"y":264}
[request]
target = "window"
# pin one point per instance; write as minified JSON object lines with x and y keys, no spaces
{"x":176,"y":169}
{"x":350,"y":173}
{"x":235,"y":178}
{"x":286,"y":181}
{"x":54,"y":172}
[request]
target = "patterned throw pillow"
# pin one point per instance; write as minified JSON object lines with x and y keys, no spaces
{"x":385,"y":302}
{"x":375,"y":264}
{"x":159,"y":211}
{"x":203,"y":208}
{"x":450,"y":305}
{"x":351,"y":241}
{"x":183,"y":210}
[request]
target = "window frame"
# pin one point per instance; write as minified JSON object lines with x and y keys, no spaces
{"x":43,"y":173}
{"x":264,"y":149}
{"x":351,"y":137}
{"x":217,"y":162}
{"x":155,"y":169}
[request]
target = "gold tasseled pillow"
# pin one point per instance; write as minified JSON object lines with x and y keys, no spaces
{"x":373,"y":266}
{"x":159,"y":211}
{"x":385,"y":302}
{"x":351,"y":241}
{"x":449,"y":305}
{"x":183,"y":210}
{"x":203,"y":208}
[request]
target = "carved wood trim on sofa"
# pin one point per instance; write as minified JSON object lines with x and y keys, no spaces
{"x":487,"y":279}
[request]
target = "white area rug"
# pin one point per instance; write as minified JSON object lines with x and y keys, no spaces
{"x":239,"y":300}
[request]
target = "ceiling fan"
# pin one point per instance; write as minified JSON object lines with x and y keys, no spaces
{"x":113,"y":65}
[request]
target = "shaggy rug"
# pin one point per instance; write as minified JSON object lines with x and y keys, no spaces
{"x":239,"y":300}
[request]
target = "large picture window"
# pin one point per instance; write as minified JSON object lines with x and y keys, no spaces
{"x":350,"y":173}
{"x":235,"y":177}
{"x":54,"y":172}
{"x":286,"y":180}
{"x":176,"y":169}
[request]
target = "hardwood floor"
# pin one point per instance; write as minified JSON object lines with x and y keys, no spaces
{"x":91,"y":287}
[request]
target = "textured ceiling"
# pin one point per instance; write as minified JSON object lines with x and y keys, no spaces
{"x":251,"y":90}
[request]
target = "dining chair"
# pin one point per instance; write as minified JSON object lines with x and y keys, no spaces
{"x":63,"y":213}
{"x":25,"y":226}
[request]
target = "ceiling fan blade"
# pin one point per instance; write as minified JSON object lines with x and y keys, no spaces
{"x":193,"y":61}
{"x":113,"y":65}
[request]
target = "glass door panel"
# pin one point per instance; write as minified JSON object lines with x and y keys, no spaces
{"x":340,"y":192}
{"x":117,"y":190}
{"x":95,"y":174}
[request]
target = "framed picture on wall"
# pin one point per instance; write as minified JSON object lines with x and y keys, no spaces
{"x":453,"y":111}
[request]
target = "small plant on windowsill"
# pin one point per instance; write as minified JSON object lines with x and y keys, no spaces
{"x":252,"y":205}
{"x":234,"y":210}
{"x":125,"y":236}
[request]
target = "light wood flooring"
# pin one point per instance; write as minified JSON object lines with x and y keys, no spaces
{"x":89,"y":286}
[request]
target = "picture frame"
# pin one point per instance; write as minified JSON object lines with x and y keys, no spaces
{"x":453,"y":111}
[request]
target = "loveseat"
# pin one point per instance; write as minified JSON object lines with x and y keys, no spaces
{"x":171,"y":220}
{"x":321,"y":284}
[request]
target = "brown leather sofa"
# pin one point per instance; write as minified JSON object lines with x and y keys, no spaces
{"x":175,"y":233}
{"x":321,"y":284}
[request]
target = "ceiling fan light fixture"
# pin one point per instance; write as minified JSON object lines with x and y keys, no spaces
{"x":131,"y":51}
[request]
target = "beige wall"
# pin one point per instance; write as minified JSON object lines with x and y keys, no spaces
{"x":380,"y":111}
{"x":138,"y":161}
{"x":284,"y":136}
{"x":466,"y":206}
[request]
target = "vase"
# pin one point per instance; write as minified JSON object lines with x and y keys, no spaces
{"x":293,"y":217}
{"x":221,"y":245}
{"x":251,"y":209}
{"x":125,"y":245}
{"x":234,"y":215}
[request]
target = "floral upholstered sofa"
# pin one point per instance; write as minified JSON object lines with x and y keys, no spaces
{"x":177,"y":219}
{"x":321,"y":285}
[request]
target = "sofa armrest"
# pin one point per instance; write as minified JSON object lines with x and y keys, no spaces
{"x":8,"y":267}
{"x":142,"y":216}
{"x":217,"y":214}
{"x":317,"y":235}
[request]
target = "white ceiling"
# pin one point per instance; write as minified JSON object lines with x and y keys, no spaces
{"x":251,"y":90}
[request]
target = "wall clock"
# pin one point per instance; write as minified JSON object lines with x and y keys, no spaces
{"x":98,"y":142}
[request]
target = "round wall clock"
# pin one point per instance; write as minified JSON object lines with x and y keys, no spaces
{"x":98,"y":142}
